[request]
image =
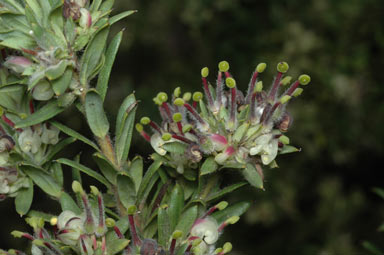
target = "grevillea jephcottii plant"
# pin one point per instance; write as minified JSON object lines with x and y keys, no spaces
{"x":56,"y":54}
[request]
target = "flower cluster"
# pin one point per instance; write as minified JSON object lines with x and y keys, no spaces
{"x":232,"y":127}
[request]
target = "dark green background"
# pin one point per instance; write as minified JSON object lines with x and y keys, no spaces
{"x":320,"y":200}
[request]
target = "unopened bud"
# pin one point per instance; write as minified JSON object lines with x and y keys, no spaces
{"x":139,"y":127}
{"x":94,"y":190}
{"x":53,"y":221}
{"x":110,"y":222}
{"x":204,"y":72}
{"x":284,"y":139}
{"x":218,"y":250}
{"x":304,"y":79}
{"x":178,"y":102}
{"x":166,"y":136}
{"x":286,"y":80}
{"x":177,"y":92}
{"x":227,"y":247}
{"x":223,"y":66}
{"x":177,"y":117}
{"x":17,"y":64}
{"x":230,"y":82}
{"x":222,"y":205}
{"x":187,"y":128}
{"x":297,"y":92}
{"x":261,"y":67}
{"x":259,"y":86}
{"x":132,"y":210}
{"x":232,"y":220}
{"x":197,"y":96}
{"x":282,"y":67}
{"x":85,"y":18}
{"x":17,"y":234}
{"x":38,"y":242}
{"x":187,"y":96}
{"x":177,"y":234}
{"x":145,"y":120}
{"x":76,"y":187}
{"x":162,"y":97}
{"x":285,"y":99}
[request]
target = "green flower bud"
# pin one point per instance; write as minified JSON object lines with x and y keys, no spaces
{"x":222,"y":205}
{"x":166,"y":136}
{"x":162,"y":97}
{"x":187,"y":128}
{"x":230,"y":82}
{"x":204,"y":72}
{"x":177,"y":92}
{"x":110,"y":222}
{"x":261,"y":67}
{"x":178,"y":102}
{"x":177,"y":117}
{"x":297,"y":92}
{"x":76,"y":187}
{"x":285,"y":99}
{"x":284,"y":139}
{"x":232,"y":220}
{"x":197,"y":96}
{"x":17,"y":234}
{"x":286,"y":80}
{"x":139,"y":127}
{"x":223,"y":66}
{"x":259,"y":86}
{"x":145,"y":120}
{"x":187,"y":96}
{"x":218,"y":250}
{"x":282,"y":67}
{"x":95,"y":191}
{"x":227,"y":247}
{"x":132,"y":210}
{"x":53,"y":221}
{"x":38,"y":242}
{"x":304,"y":79}
{"x":177,"y":234}
{"x":156,"y":101}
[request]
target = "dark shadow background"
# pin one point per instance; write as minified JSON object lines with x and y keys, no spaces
{"x":319,"y":201}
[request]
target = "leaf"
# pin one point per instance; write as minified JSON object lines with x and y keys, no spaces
{"x":253,"y":177}
{"x":95,"y":114}
{"x":43,"y":180}
{"x":174,"y":147}
{"x":147,"y":177}
{"x":57,"y":148}
{"x":186,"y":221}
{"x":120,"y":16}
{"x":57,"y":173}
{"x":24,"y":199}
{"x":61,"y":84}
{"x":163,"y":226}
{"x":124,"y":127}
{"x":209,"y":166}
{"x":45,"y":216}
{"x":136,"y":171}
{"x":235,"y":210}
{"x":105,"y":72}
{"x":68,"y":204}
{"x":55,"y":71}
{"x":92,"y":55}
{"x":225,"y":191}
{"x":117,"y":245}
{"x":48,"y":111}
{"x":176,"y":204}
{"x":74,"y":134}
{"x":126,"y":190}
{"x":84,"y":169}
{"x":288,"y":149}
{"x":105,"y":167}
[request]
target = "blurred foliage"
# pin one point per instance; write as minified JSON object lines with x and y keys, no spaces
{"x":319,"y":201}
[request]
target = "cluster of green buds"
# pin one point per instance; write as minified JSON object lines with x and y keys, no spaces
{"x":233,"y":128}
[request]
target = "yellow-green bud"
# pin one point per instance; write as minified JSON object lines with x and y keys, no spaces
{"x":282,"y":67}
{"x":286,"y":80}
{"x":139,"y":127}
{"x":166,"y":136}
{"x":110,"y":222}
{"x":230,"y":82}
{"x":285,"y":99}
{"x":187,"y":96}
{"x":232,"y":220}
{"x":177,"y":92}
{"x":145,"y":120}
{"x":53,"y":221}
{"x":223,"y":66}
{"x":76,"y":187}
{"x":222,"y":205}
{"x":157,"y":101}
{"x":297,"y":92}
{"x":94,"y":190}
{"x":196,"y":242}
{"x":261,"y":67}
{"x":197,"y":96}
{"x":178,"y":102}
{"x":38,"y":242}
{"x":132,"y":210}
{"x":162,"y":97}
{"x":12,"y":252}
{"x":17,"y":234}
{"x":177,"y":234}
{"x":204,"y":72}
{"x":259,"y":86}
{"x":227,"y":247}
{"x":187,"y":128}
{"x":177,"y":117}
{"x":284,"y":139}
{"x":304,"y":79}
{"x":218,"y":250}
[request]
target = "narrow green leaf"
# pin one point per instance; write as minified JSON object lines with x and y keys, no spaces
{"x":57,"y":148}
{"x":48,"y":111}
{"x":74,"y":134}
{"x":147,"y":177}
{"x":186,"y":221}
{"x":288,"y":149}
{"x":117,"y":245}
{"x":175,"y":147}
{"x":126,"y":190}
{"x":136,"y":171}
{"x":105,"y":167}
{"x":176,"y":205}
{"x":67,"y":203}
{"x":57,"y":173}
{"x":235,"y":210}
{"x":95,"y":114}
{"x":209,"y":166}
{"x":102,"y":82}
{"x":225,"y":191}
{"x":163,"y":226}
{"x":84,"y":169}
{"x":43,"y":180}
{"x":61,"y":84}
{"x":253,"y":177}
{"x":24,"y":199}
{"x":55,"y":71}
{"x":120,"y":16}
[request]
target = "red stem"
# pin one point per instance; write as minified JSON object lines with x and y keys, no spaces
{"x":194,"y":113}
{"x":155,"y":126}
{"x":292,"y":88}
{"x":181,"y":138}
{"x":233,"y":104}
{"x":135,"y":237}
{"x":251,"y":87}
{"x":275,"y":86}
{"x":172,"y":248}
{"x":180,"y":127}
{"x":167,"y":110}
{"x":207,"y":92}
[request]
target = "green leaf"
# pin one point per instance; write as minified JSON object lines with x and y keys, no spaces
{"x":147,"y":177}
{"x":288,"y":149}
{"x":102,"y":82}
{"x":84,"y":169}
{"x":43,"y":180}
{"x":74,"y":134}
{"x":163,"y":226}
{"x":136,"y":171}
{"x":117,"y":245}
{"x":105,"y":167}
{"x":17,"y":40}
{"x":48,"y":111}
{"x":209,"y":166}
{"x":126,"y":190}
{"x":24,"y":199}
{"x":235,"y":210}
{"x":225,"y":191}
{"x":176,"y":205}
{"x":175,"y":147}
{"x":61,"y":84}
{"x":57,"y":173}
{"x":187,"y":219}
{"x":124,"y":127}
{"x":372,"y":248}
{"x":95,"y":114}
{"x":45,"y":216}
{"x":92,"y":55}
{"x":120,"y":16}
{"x":57,"y":148}
{"x":67,"y":203}
{"x":253,"y":177}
